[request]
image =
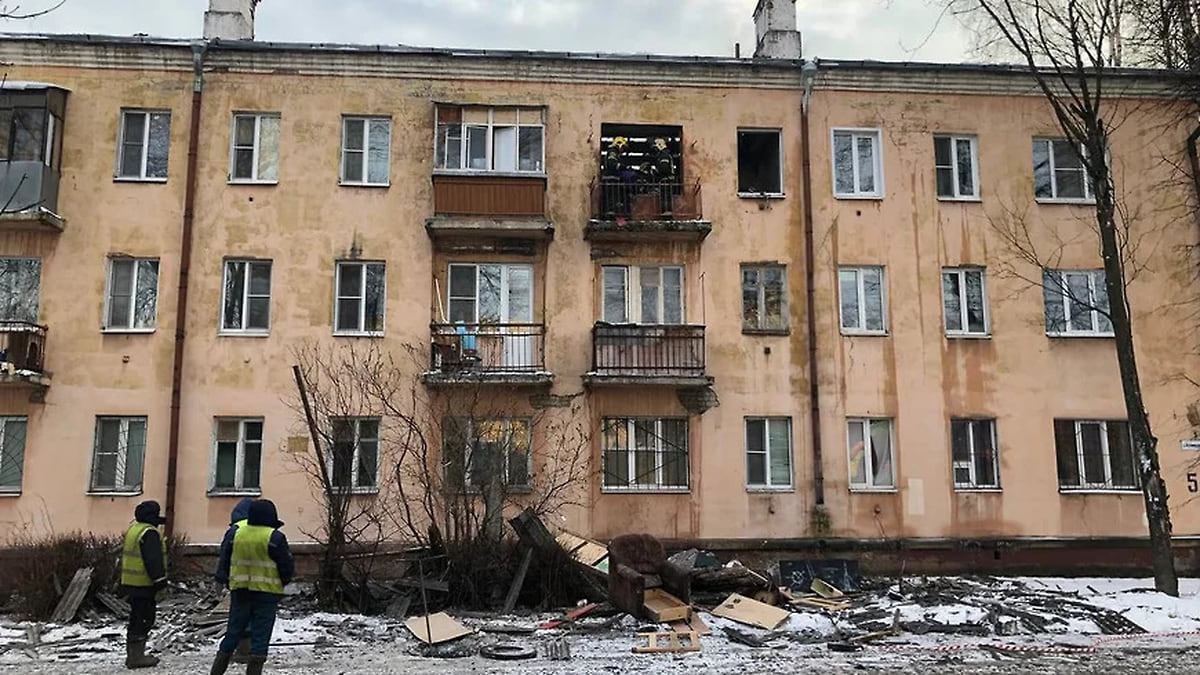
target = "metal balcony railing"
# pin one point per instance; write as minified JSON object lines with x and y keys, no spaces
{"x":658,"y":350}
{"x":22,"y":348}
{"x":488,"y":348}
{"x":643,"y":200}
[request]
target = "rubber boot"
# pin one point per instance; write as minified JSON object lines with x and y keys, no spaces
{"x":242,"y":653}
{"x":255,"y":665}
{"x":135,"y":654}
{"x":221,"y":663}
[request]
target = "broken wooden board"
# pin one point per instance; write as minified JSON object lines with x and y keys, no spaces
{"x":518,"y":581}
{"x":569,"y":617}
{"x":825,"y":589}
{"x":662,"y":607}
{"x":668,"y":643}
{"x":751,"y":612}
{"x":583,"y":550}
{"x":818,"y":603}
{"x":436,"y":628}
{"x":116,"y":605}
{"x":73,"y":598}
{"x":693,"y":625}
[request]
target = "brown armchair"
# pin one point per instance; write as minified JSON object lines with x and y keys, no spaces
{"x":638,"y":563}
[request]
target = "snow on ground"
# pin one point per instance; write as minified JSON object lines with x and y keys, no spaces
{"x":1135,"y":599}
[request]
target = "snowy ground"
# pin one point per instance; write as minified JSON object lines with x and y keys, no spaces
{"x":952,"y":639}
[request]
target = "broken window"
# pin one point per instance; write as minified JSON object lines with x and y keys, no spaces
{"x":12,"y":453}
{"x":956,"y":167}
{"x":760,"y":162}
{"x":645,"y":453}
{"x":857,"y":166}
{"x":964,"y":301}
{"x":237,"y":455}
{"x":1076,"y":303}
{"x":118,"y":453}
{"x":872,"y":465}
{"x":132,"y":300}
{"x":862,"y":300}
{"x":20,"y":283}
{"x":769,"y":452}
{"x":645,"y":295}
{"x":474,"y":450}
{"x":501,"y":140}
{"x":145,"y":143}
{"x":764,"y":304}
{"x":354,"y":455}
{"x":246,"y":306}
{"x":360,"y":298}
{"x":1095,"y":455}
{"x":974,"y":455}
{"x":1058,"y":170}
{"x":255,"y":156}
{"x":366,"y":150}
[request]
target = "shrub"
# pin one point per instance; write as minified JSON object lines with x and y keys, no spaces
{"x":35,"y":572}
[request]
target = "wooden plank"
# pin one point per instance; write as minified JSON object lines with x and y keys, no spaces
{"x":569,"y":542}
{"x":73,"y":598}
{"x":590,"y":554}
{"x":570,"y":616}
{"x":668,"y":643}
{"x":662,"y":607}
{"x":751,"y":612}
{"x":114,"y":604}
{"x":825,"y":589}
{"x":436,"y":628}
{"x":518,"y":581}
{"x":693,"y":625}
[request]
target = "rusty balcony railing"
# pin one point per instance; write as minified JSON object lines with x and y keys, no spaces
{"x":630,"y":350}
{"x":22,"y":348}
{"x":644,"y":200}
{"x":488,"y":348}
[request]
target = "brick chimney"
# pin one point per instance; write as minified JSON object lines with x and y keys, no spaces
{"x":775,"y":26}
{"x":229,"y":20}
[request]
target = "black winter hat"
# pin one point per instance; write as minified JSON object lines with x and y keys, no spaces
{"x":148,"y":512}
{"x":262,"y":512}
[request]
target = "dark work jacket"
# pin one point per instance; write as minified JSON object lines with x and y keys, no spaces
{"x":278,"y":549}
{"x":156,"y":567}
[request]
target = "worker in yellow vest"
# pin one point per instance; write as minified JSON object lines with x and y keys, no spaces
{"x":143,"y":575}
{"x":256,"y":563}
{"x":238,"y":517}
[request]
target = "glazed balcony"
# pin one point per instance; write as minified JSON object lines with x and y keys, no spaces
{"x":488,"y":353}
{"x":647,"y":211}
{"x":29,"y":197}
{"x":648,"y":354}
{"x":31,"y":122}
{"x":22,"y":357}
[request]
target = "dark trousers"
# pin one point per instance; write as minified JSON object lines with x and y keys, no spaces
{"x":253,"y":611}
{"x":142,"y":609}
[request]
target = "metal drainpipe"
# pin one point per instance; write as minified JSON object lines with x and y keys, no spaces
{"x":199,"y":49}
{"x":808,"y":77}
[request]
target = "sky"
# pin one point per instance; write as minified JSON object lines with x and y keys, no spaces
{"x":896,"y":30}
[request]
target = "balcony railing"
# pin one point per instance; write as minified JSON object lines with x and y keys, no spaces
{"x":646,"y":201}
{"x":651,"y":351}
{"x":488,"y":348}
{"x":22,"y":349}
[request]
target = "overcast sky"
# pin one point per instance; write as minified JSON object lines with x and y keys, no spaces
{"x":845,"y":29}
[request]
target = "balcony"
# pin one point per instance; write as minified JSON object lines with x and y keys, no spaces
{"x":22,"y":357}
{"x":648,"y":354}
{"x":29,"y":197}
{"x":484,"y":204}
{"x":646,"y":211}
{"x":31,"y":119}
{"x":490,"y":353}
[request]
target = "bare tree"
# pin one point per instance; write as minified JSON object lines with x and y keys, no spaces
{"x":21,"y":12}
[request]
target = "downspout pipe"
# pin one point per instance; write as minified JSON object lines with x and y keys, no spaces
{"x":808,"y":77}
{"x":199,"y":49}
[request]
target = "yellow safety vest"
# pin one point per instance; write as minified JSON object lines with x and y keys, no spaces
{"x":250,"y":566}
{"x":133,"y":568}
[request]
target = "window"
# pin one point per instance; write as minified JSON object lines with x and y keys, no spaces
{"x":645,"y":453}
{"x":769,"y":452}
{"x":760,"y":162}
{"x":20,"y":283}
{"x":1095,"y":455}
{"x":658,"y":298}
{"x":1076,"y":303}
{"x":857,"y":167}
{"x":491,"y":293}
{"x":956,"y":166}
{"x":12,"y":453}
{"x":474,"y":449}
{"x":862,"y":300}
{"x":145,"y":143}
{"x":973,"y":453}
{"x":247,"y":302}
{"x":237,"y":455}
{"x":1058,"y":171}
{"x":132,"y":299}
{"x":366,"y":150}
{"x":360,"y":298}
{"x":30,"y":134}
{"x":872,"y":465}
{"x":118,"y":453}
{"x":255,"y":156}
{"x":964,"y":301}
{"x":354,"y":461}
{"x":504,"y":140}
{"x":764,"y":303}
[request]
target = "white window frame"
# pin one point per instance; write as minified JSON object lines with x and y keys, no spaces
{"x":365,"y":150}
{"x":354,"y":487}
{"x":1107,"y":485}
{"x":972,"y":450}
{"x":362,"y":298}
{"x":868,"y":461}
{"x":659,"y":461}
{"x":965,"y":331}
{"x":862,"y":294}
{"x":13,"y":490}
{"x":633,"y":300}
{"x":958,"y":196}
{"x":491,"y":126}
{"x":769,"y":452}
{"x":239,"y":479}
{"x":1087,"y":198}
{"x":125,"y":487}
{"x":1063,"y":292}
{"x":470,"y":427}
{"x":876,"y":136}
{"x":779,"y":139}
{"x":146,"y":114}
{"x":108,"y":296}
{"x":505,"y":288}
{"x":761,"y":287}
{"x":246,"y":295}
{"x":254,"y":179}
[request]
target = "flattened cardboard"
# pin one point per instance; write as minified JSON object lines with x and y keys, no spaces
{"x":751,"y":612}
{"x":442,"y":628}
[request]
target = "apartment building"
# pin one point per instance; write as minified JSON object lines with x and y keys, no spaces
{"x":623,"y":237}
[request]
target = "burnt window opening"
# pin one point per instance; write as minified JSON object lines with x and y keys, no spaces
{"x":641,"y":169}
{"x":760,"y":166}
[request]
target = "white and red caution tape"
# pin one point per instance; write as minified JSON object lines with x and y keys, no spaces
{"x":1037,"y":649}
